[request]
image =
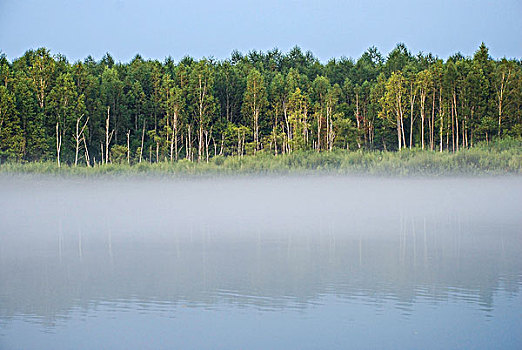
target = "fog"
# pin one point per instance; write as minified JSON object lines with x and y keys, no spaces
{"x":266,"y":243}
{"x":239,"y":205}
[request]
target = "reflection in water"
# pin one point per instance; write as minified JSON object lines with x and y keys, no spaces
{"x":289,"y":250}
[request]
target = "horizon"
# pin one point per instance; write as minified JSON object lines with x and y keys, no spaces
{"x":330,"y":29}
{"x":246,"y":53}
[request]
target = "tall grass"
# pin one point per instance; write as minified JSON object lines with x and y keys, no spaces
{"x":503,"y":157}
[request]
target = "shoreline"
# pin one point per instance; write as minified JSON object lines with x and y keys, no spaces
{"x":477,"y":161}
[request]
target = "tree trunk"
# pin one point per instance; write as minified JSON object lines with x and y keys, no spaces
{"x":102,"y":153}
{"x":412,"y":105}
{"x":447,"y":134}
{"x":402,"y":131}
{"x":77,"y":139}
{"x":171,"y":149}
{"x":327,"y":131}
{"x":504,"y":82}
{"x":456,"y":120}
{"x":400,"y":124}
{"x":471,"y":118}
{"x":58,"y":144}
{"x":87,"y":159}
{"x":189,"y":144}
{"x":357,"y":119}
{"x":207,"y":144}
{"x":274,"y":131}
{"x":422,"y":103}
{"x":128,"y":147}
{"x":107,"y":135}
{"x":399,"y":120}
{"x":432,"y":124}
{"x":441,"y":114}
{"x":222,"y":144}
{"x":331,"y":134}
{"x":399,"y":139}
{"x":78,"y":136}
{"x":200,"y":142}
{"x":256,"y":116}
{"x":288,"y":131}
{"x":238,"y":142}
{"x":176,"y":134}
{"x":452,"y":127}
{"x":202,"y":93}
{"x":411,"y":131}
{"x":500,"y":114}
{"x":142,"y":140}
{"x":319,"y":120}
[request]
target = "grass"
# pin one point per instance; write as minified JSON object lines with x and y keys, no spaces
{"x":499,"y":158}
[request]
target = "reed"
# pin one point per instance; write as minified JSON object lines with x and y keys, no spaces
{"x":498,"y":158}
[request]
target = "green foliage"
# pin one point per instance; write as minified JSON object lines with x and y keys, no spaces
{"x":118,"y":154}
{"x":11,"y":139}
{"x":260,"y":103}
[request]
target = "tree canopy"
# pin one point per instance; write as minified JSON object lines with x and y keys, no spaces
{"x":271,"y":102}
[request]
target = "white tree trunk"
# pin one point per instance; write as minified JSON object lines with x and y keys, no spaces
{"x":58,"y":144}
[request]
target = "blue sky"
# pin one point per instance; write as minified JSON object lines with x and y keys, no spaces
{"x":329,"y":28}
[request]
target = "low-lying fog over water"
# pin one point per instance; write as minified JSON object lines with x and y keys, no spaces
{"x":260,"y":263}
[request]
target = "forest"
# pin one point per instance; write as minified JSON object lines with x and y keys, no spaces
{"x":90,"y":113}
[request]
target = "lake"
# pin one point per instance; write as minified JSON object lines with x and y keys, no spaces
{"x":295,"y":262}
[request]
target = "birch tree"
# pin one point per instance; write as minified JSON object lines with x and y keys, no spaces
{"x":41,"y":71}
{"x":503,"y":79}
{"x":202,"y":100}
{"x":423,"y":84}
{"x":79,"y":136}
{"x":66,"y":106}
{"x":393,"y":104}
{"x":255,"y":101}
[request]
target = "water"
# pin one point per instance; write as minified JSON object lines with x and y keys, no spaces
{"x":260,"y":263}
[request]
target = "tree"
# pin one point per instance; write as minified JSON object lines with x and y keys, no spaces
{"x":332,"y":99}
{"x":262,"y":100}
{"x":79,"y":136}
{"x":255,"y":101}
{"x":174,"y":105}
{"x":486,"y":106}
{"x":136,"y":105}
{"x":298,"y":103}
{"x":111,"y":90}
{"x":423,"y":85}
{"x":321,"y":87}
{"x":229,"y":87}
{"x":451,"y":82}
{"x":6,"y":72}
{"x":31,"y":120}
{"x":397,"y":59}
{"x":279,"y":105}
{"x":41,"y":72}
{"x":65,"y":106}
{"x":503,"y":79}
{"x":393,"y":104}
{"x":410,"y":75}
{"x":200,"y":95}
{"x":11,"y":139}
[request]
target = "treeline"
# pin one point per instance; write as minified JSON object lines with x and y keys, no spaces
{"x":91,"y":112}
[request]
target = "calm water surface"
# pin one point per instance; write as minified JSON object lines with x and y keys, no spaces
{"x":261,"y":263}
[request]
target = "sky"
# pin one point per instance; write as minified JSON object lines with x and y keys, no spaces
{"x":202,"y":28}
